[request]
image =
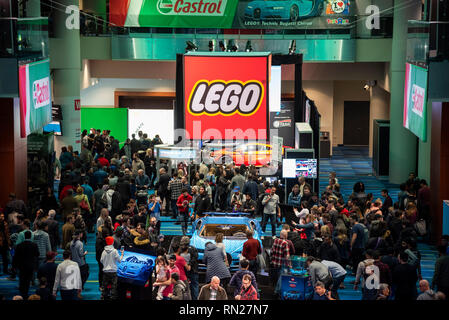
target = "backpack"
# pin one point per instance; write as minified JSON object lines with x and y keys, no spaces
{"x":104,"y":200}
{"x":365,"y":234}
{"x":185,"y":292}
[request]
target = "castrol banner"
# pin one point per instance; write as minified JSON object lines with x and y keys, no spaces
{"x":35,"y":96}
{"x":415,"y":100}
{"x":226,"y":97}
{"x":173,"y":13}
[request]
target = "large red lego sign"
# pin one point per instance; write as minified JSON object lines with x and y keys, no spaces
{"x":226,"y":97}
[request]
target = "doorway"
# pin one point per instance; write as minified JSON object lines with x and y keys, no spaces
{"x":356,"y":123}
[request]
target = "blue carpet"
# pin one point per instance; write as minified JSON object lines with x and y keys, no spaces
{"x":351,"y":165}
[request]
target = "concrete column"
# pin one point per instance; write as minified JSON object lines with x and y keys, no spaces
{"x":66,"y":81}
{"x":379,"y":109}
{"x":402,"y":141}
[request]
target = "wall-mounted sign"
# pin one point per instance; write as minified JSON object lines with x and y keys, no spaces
{"x":226,"y":96}
{"x":35,"y":96}
{"x":415,"y":100}
{"x":227,"y":14}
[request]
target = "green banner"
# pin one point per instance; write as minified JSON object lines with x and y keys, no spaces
{"x":415,"y":100}
{"x":227,"y":14}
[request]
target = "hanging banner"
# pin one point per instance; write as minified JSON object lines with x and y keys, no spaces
{"x":293,"y":14}
{"x":415,"y":100}
{"x":283,"y":121}
{"x":35,"y":96}
{"x":235,"y":14}
{"x":173,"y":13}
{"x":226,"y":97}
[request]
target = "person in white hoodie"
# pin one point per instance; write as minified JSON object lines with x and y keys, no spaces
{"x":109,"y":259}
{"x":68,"y":278}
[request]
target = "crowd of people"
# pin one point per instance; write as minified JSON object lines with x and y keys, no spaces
{"x":104,"y":190}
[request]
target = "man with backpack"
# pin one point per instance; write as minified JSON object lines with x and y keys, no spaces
{"x":180,"y":290}
{"x":369,"y":274}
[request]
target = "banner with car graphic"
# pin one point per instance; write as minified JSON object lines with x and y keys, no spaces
{"x":293,"y":14}
{"x":235,"y":14}
{"x":226,"y":96}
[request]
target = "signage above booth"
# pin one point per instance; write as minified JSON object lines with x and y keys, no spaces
{"x":226,"y":96}
{"x":235,"y":14}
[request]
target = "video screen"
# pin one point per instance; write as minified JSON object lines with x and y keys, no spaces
{"x":55,"y":127}
{"x":294,"y":168}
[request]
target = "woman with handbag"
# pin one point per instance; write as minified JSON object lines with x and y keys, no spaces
{"x":84,"y":205}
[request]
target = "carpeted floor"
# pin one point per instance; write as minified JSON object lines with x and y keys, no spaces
{"x":351,"y":165}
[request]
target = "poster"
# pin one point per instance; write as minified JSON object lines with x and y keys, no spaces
{"x":35,"y":96}
{"x":235,"y":14}
{"x":225,"y":96}
{"x":415,"y":100}
{"x":283,"y":121}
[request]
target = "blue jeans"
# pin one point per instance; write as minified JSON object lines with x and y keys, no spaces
{"x":174,"y":208}
{"x":193,"y":277}
{"x":184,"y":217}
{"x":336,"y":284}
{"x":272,"y":218}
{"x":69,"y":294}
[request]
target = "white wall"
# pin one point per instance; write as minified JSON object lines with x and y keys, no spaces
{"x":102,"y":94}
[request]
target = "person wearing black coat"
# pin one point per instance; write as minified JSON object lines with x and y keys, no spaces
{"x":25,"y":260}
{"x":202,"y":203}
{"x":100,"y":243}
{"x":162,"y":189}
{"x":328,"y":250}
{"x":404,"y":279}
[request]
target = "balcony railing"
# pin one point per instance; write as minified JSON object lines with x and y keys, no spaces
{"x":24,"y":38}
{"x":427,"y":41}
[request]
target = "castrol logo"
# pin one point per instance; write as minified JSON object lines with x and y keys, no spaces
{"x":226,"y":98}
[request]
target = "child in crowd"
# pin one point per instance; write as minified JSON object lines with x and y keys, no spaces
{"x":161,"y":275}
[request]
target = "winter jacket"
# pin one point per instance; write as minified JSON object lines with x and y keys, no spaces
{"x":67,"y":270}
{"x":248,"y":294}
{"x":109,"y":259}
{"x":214,"y":260}
{"x":180,"y":291}
{"x":428,"y":295}
{"x":205,"y":293}
{"x":77,"y":249}
{"x":26,"y":255}
{"x":42,"y":240}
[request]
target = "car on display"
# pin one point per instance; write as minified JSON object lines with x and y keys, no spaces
{"x":283,"y":10}
{"x":135,"y":267}
{"x":255,"y":153}
{"x":232,"y":225}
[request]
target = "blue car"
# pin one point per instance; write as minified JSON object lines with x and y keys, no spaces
{"x":135,"y":267}
{"x":283,"y":10}
{"x":232,"y":225}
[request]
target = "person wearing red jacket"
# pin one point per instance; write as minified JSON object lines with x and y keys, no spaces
{"x":183,"y":208}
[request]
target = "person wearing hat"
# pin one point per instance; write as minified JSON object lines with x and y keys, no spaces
{"x":48,"y":269}
{"x":236,"y":199}
{"x":109,"y":259}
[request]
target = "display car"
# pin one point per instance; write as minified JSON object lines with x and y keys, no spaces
{"x":283,"y":10}
{"x":135,"y":267}
{"x":253,"y":153}
{"x":232,"y":225}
